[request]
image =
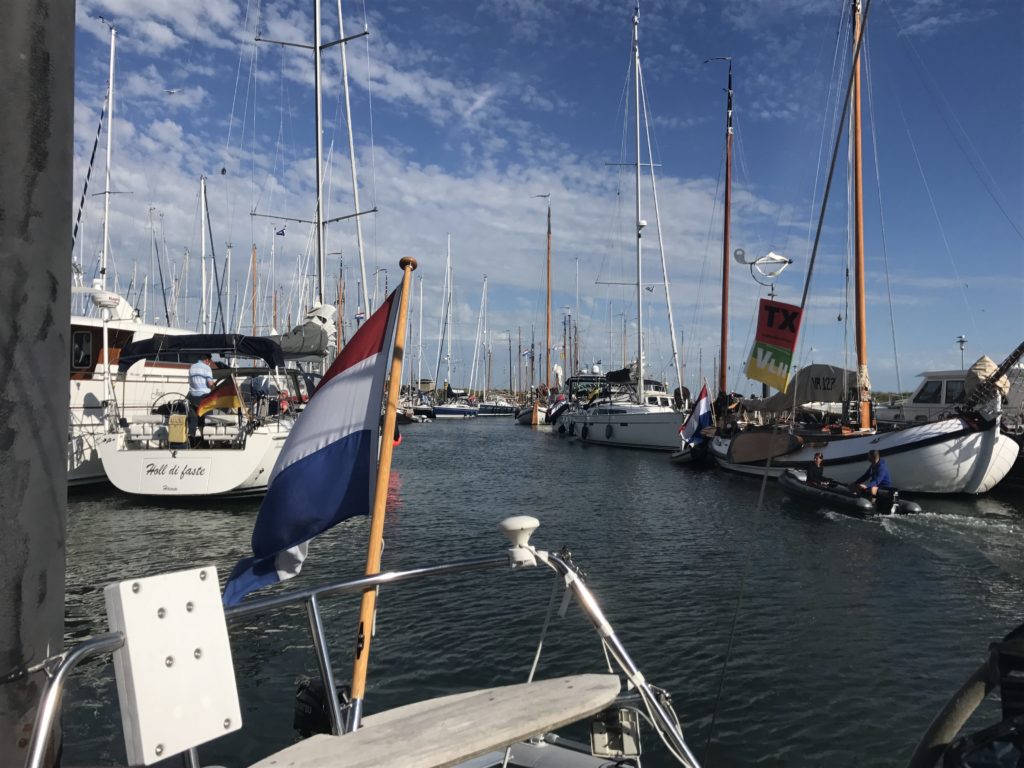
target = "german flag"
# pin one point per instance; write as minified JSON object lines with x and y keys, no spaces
{"x":224,"y":395}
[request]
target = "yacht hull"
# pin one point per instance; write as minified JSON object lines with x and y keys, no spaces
{"x":627,"y":426}
{"x":145,"y":471}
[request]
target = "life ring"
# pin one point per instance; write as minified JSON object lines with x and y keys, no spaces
{"x":584,"y":432}
{"x":608,"y":432}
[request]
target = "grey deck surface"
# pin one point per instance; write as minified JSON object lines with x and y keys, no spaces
{"x":448,"y":730}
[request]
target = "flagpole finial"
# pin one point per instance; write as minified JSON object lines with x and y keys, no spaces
{"x":408,"y":261}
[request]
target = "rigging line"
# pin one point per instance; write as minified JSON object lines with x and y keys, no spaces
{"x":936,"y":94}
{"x":88,"y":174}
{"x":835,"y":151}
{"x":938,"y":220}
{"x":831,"y":104}
{"x":373,"y":144}
{"x":661,"y":241}
{"x":881,"y":216}
{"x":238,"y":76}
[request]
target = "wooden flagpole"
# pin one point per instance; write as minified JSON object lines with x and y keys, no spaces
{"x":376,"y":543}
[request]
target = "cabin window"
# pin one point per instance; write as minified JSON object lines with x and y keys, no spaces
{"x":955,"y":391}
{"x":931,"y":392}
{"x":81,"y":350}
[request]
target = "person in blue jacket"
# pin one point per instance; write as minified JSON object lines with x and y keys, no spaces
{"x":876,"y":477}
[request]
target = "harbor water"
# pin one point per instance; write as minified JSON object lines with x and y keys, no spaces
{"x":844,"y":636}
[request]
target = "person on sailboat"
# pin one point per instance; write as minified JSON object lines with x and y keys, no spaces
{"x":200,"y":381}
{"x":875,"y":478}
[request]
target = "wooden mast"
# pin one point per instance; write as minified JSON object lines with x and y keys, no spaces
{"x":376,"y":542}
{"x":723,"y":368}
{"x":863,"y":382}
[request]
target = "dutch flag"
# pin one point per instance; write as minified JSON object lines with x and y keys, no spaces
{"x":327,"y":469}
{"x":699,"y":418}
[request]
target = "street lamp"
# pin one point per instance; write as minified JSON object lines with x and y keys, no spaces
{"x":962,"y":341}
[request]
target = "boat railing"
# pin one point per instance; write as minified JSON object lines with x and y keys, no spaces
{"x":656,"y":701}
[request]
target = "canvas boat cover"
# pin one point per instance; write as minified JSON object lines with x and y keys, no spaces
{"x":816,"y":383}
{"x":189,"y":348}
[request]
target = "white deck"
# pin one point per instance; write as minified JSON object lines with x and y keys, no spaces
{"x":452,"y":729}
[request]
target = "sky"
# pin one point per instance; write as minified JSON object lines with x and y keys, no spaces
{"x":464,"y":113}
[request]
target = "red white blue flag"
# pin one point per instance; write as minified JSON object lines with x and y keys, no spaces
{"x":327,"y":469}
{"x":699,"y":418}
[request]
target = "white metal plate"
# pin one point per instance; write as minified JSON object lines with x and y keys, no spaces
{"x":175,"y":677}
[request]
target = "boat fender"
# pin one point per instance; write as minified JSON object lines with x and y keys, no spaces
{"x":608,"y":431}
{"x":584,"y":432}
{"x":282,"y":401}
{"x":561,"y":429}
{"x":572,"y":428}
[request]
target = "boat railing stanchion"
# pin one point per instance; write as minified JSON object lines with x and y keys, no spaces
{"x":323,"y":658}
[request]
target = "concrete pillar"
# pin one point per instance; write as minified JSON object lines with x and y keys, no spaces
{"x":36,"y":90}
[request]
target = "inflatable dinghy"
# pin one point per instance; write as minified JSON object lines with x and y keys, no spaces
{"x":840,"y":498}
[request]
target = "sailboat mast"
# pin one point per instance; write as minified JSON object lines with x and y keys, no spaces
{"x":106,"y":183}
{"x":352,"y":160}
{"x":419,"y":348}
{"x":547,"y":349}
{"x":863,"y":383}
{"x":204,"y":307}
{"x":639,"y":222}
{"x":321,"y":263}
{"x":723,"y":368}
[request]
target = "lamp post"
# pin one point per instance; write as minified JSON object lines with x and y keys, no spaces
{"x":962,"y":341}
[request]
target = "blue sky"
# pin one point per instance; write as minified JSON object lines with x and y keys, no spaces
{"x":463,"y":112}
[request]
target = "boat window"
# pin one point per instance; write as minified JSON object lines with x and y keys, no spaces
{"x":955,"y":391}
{"x":931,"y":392}
{"x":81,"y":350}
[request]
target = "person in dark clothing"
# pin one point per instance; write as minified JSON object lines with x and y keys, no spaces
{"x":816,"y":472}
{"x":875,"y":478}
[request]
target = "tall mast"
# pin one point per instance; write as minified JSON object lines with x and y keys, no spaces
{"x":442,"y":329}
{"x":448,"y":312}
{"x":352,"y":160}
{"x":640,"y":223}
{"x":863,"y":383}
{"x":419,"y":349}
{"x":252,"y":267}
{"x":547,"y":349}
{"x":321,"y":262}
{"x":723,"y":385}
{"x":106,"y":183}
{"x":204,"y":307}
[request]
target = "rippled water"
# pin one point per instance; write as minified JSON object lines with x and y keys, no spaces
{"x":850,"y":634}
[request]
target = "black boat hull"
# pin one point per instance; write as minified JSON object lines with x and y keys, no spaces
{"x":838,"y":497}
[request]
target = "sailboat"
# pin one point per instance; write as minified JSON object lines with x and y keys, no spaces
{"x":97,"y":396}
{"x":533,"y":414}
{"x":449,"y":403}
{"x":633,"y":411}
{"x":965,"y":453}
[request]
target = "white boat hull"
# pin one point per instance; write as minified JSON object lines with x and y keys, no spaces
{"x":627,"y":425}
{"x":941,"y":457}
{"x":193,"y":471}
